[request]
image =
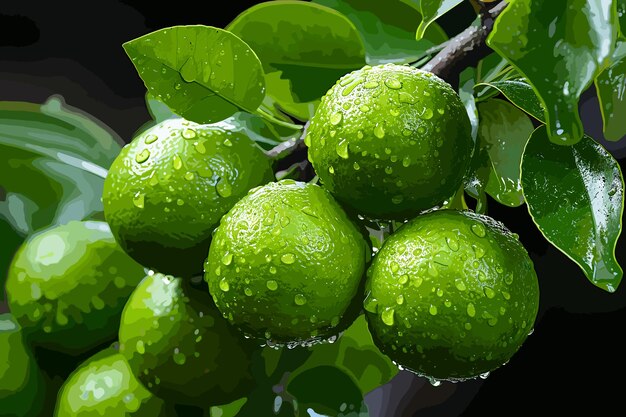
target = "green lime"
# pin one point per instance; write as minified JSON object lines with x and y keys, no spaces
{"x":451,"y":295}
{"x":67,"y":286}
{"x":21,"y":384}
{"x":390,"y":141}
{"x":286,"y":263}
{"x":168,"y":189}
{"x":105,"y":386}
{"x":180,"y":347}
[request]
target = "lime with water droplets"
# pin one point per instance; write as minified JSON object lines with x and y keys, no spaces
{"x":390,"y":141}
{"x":180,"y":347}
{"x":166,"y":191}
{"x":105,"y":386}
{"x":451,"y":295}
{"x":286,"y":263}
{"x":67,"y":286}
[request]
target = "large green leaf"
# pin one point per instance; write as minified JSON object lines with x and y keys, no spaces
{"x":202,"y":73}
{"x":559,"y":46}
{"x":304,"y":48}
{"x":431,"y":10}
{"x":53,"y":160}
{"x":611,"y":88}
{"x":521,"y":94}
{"x":388,"y":29}
{"x":621,"y":14}
{"x":575,"y":195}
{"x":504,"y":131}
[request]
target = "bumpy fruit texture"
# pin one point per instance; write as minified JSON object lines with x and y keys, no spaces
{"x":67,"y":286}
{"x":390,"y":141}
{"x":180,"y":347}
{"x":168,"y":189}
{"x":105,"y":386}
{"x":21,"y":384}
{"x":451,"y":295}
{"x":286,"y":263}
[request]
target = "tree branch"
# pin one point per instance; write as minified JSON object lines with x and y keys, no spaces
{"x":466,"y":48}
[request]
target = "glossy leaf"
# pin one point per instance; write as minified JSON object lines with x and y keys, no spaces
{"x":53,"y":160}
{"x":304,"y":48}
{"x":257,"y":129}
{"x":559,"y":46}
{"x":621,"y":14}
{"x":388,"y":29}
{"x":521,"y":94}
{"x":431,"y":10}
{"x":611,"y":88}
{"x":575,"y":195}
{"x":202,"y":73}
{"x":504,"y":131}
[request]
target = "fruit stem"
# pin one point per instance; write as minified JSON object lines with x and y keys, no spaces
{"x":270,"y":118}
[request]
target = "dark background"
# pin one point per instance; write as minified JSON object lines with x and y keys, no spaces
{"x":574,"y":360}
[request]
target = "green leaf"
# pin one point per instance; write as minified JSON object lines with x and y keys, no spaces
{"x":559,"y":46}
{"x":504,"y":131}
{"x":431,"y":11}
{"x":575,"y":195}
{"x":259,"y":130}
{"x":621,"y":14}
{"x":521,"y":94}
{"x":202,"y":73}
{"x":611,"y":88}
{"x":53,"y":161}
{"x":388,"y":29}
{"x":304,"y":48}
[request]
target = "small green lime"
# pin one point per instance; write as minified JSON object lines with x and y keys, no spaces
{"x":67,"y":286}
{"x":168,"y":188}
{"x":451,"y":295}
{"x":21,"y":384}
{"x":180,"y":347}
{"x":105,"y":386}
{"x":286,"y":263}
{"x":390,"y":141}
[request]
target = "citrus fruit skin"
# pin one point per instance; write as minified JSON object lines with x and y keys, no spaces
{"x":180,"y":347}
{"x":21,"y":383}
{"x":285,"y":263}
{"x":67,"y":286}
{"x":451,"y":295}
{"x":390,"y":141}
{"x":105,"y":386}
{"x":166,"y":191}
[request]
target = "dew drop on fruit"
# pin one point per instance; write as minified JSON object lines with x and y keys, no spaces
{"x":370,"y":303}
{"x":227,"y":259}
{"x":452,"y":243}
{"x":299,"y":299}
{"x":432,"y":310}
{"x":223,"y":187}
{"x":180,"y":202}
{"x":434,"y":382}
{"x":307,"y":141}
{"x":388,"y":170}
{"x":150,"y":139}
{"x":478,"y":251}
{"x":140,"y":347}
{"x":342,"y":148}
{"x":224,"y":285}
{"x":394,"y":266}
{"x":471,"y":310}
{"x":364,"y":108}
{"x":356,"y":166}
{"x":508,"y":279}
{"x":370,"y":84}
{"x":406,"y":98}
{"x":481,"y":276}
{"x":331,"y":169}
{"x":205,"y":171}
{"x":288,"y":258}
{"x":189,"y":133}
{"x":138,"y":200}
{"x":335,"y":118}
{"x":406,"y":161}
{"x":387,"y":316}
{"x":403,"y":279}
{"x":359,"y":134}
{"x":379,"y":131}
{"x":428,"y":114}
{"x":432,"y":270}
{"x":484,"y":375}
{"x":272,"y":270}
{"x":247,"y":291}
{"x":489,"y":293}
{"x":400,"y":299}
{"x":142,"y":156}
{"x":506,"y":295}
{"x":272,"y":285}
{"x":478,"y":229}
{"x":227,"y":142}
{"x":460,"y":285}
{"x":177,"y":162}
{"x":393,"y":83}
{"x":179,"y":357}
{"x":189,"y":176}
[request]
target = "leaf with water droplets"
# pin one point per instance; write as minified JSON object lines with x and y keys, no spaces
{"x":611,"y":87}
{"x":504,"y":131}
{"x":202,"y":73}
{"x":534,"y":35}
{"x":431,"y":10}
{"x":521,"y":94}
{"x":575,"y":195}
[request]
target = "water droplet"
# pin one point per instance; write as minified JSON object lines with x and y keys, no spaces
{"x":272,"y":285}
{"x":471,"y":310}
{"x":394,"y":266}
{"x":224,"y":285}
{"x":379,"y":131}
{"x":400,"y":299}
{"x":404,"y":97}
{"x":189,"y":176}
{"x":142,"y":156}
{"x":179,"y":358}
{"x":439,"y":292}
{"x":370,"y":84}
{"x":506,"y":295}
{"x":178,"y":162}
{"x":403,"y":279}
{"x":288,"y":258}
{"x":150,"y":139}
{"x":370,"y":304}
{"x":428,"y":114}
{"x":140,"y":347}
{"x":138,"y":200}
{"x":406,"y":161}
{"x":299,"y":299}
{"x":331,"y":169}
{"x":393,"y":83}
{"x":342,"y":148}
{"x":335,"y":118}
{"x":247,"y":291}
{"x":223,"y":187}
{"x":353,"y":83}
{"x":189,"y":133}
{"x":441,"y":111}
{"x":508,"y":279}
{"x":272,"y":269}
{"x":432,"y":310}
{"x":359,"y":134}
{"x":205,"y":171}
{"x":364,"y":108}
{"x":478,"y":229}
{"x":478,"y":251}
{"x":397,"y":199}
{"x":180,"y":202}
{"x":356,"y":166}
{"x":387,"y":316}
{"x":460,"y":285}
{"x":432,"y":270}
{"x":484,"y":375}
{"x":227,"y":259}
{"x":453,"y":243}
{"x":489,"y":293}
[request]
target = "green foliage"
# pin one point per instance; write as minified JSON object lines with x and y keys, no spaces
{"x":560,"y":46}
{"x":431,"y":10}
{"x":575,"y":195}
{"x":611,"y":87}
